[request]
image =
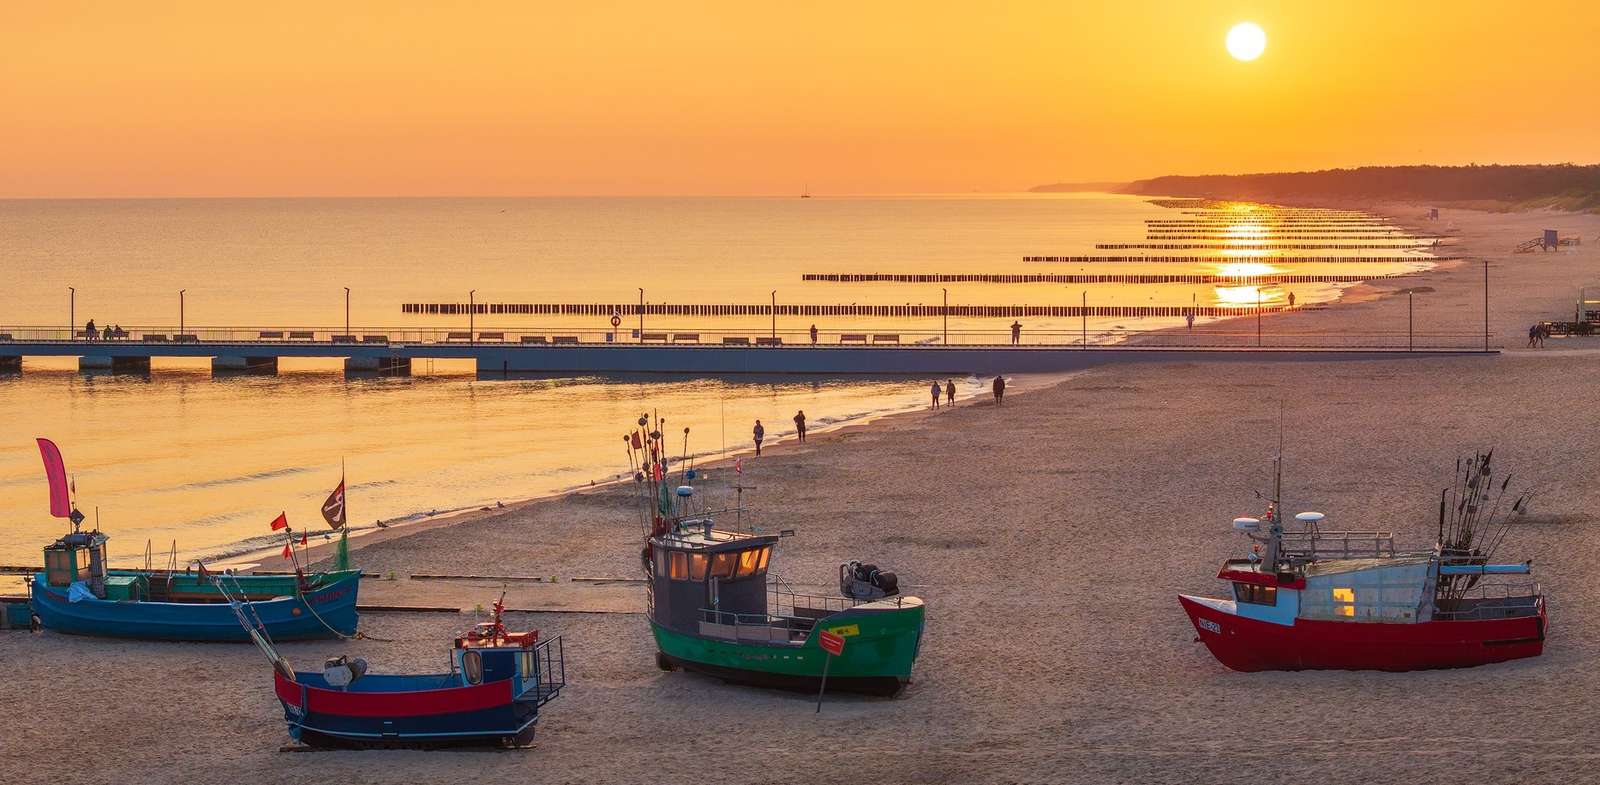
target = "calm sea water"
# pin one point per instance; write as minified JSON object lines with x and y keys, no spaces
{"x":208,"y":462}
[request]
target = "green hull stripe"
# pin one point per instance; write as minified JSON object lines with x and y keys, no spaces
{"x":885,"y":644}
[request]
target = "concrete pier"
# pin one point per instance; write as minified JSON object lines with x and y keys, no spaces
{"x":244,"y":364}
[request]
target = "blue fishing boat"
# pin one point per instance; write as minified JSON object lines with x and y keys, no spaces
{"x":76,"y":593}
{"x":492,"y":694}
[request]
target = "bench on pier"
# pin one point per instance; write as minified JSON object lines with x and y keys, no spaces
{"x":686,"y":337}
{"x":533,"y":339}
{"x":731,"y":341}
{"x":302,"y":335}
{"x":853,"y":338}
{"x":769,"y":341}
{"x":185,"y":338}
{"x":492,"y":337}
{"x":5,"y":336}
{"x":153,"y":338}
{"x":374,"y":339}
{"x":564,"y":339}
{"x":885,"y":337}
{"x":662,"y":337}
{"x":271,"y":335}
{"x":458,"y":336}
{"x":341,"y":338}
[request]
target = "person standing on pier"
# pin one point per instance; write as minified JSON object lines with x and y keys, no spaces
{"x":999,"y":389}
{"x":88,"y":330}
{"x":949,"y":392}
{"x":1016,"y":333}
{"x":759,"y":433}
{"x":813,"y":333}
{"x":800,"y":424}
{"x":936,"y":389}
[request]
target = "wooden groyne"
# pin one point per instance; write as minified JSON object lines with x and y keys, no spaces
{"x":1133,"y":278}
{"x":1256,"y":246}
{"x":1252,"y":237}
{"x":877,"y":311}
{"x":1238,"y":259}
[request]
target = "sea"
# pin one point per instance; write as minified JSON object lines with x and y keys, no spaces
{"x":179,"y":459}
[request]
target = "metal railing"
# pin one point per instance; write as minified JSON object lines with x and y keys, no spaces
{"x":1492,"y":601}
{"x":550,"y":665}
{"x":1164,"y":336}
{"x":1338,"y":545}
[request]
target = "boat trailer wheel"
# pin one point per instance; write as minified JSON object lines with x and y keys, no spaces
{"x":663,"y":663}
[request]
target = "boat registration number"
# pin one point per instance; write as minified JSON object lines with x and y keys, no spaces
{"x":1209,"y":625}
{"x":846,"y":631}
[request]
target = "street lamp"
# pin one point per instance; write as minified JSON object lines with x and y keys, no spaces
{"x":946,"y":315}
{"x":347,"y":310}
{"x":472,"y":317}
{"x":72,"y":312}
{"x":180,"y":310}
{"x":774,"y":313}
{"x":641,"y":314}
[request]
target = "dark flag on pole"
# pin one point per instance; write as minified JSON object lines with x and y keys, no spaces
{"x":333,"y":508}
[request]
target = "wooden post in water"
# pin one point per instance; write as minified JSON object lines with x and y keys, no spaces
{"x":1258,"y":317}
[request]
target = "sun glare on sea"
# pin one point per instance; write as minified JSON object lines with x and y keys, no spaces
{"x":1246,"y":41}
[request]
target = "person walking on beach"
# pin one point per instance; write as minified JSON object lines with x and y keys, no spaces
{"x":999,"y":389}
{"x":759,"y":433}
{"x":949,"y":392}
{"x":935,"y":389}
{"x":1016,"y":332}
{"x":813,"y":333}
{"x":1188,"y":318}
{"x":1291,"y":299}
{"x":1533,"y":336}
{"x":800,"y":424}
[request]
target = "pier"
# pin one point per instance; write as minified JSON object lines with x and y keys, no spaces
{"x":875,"y":350}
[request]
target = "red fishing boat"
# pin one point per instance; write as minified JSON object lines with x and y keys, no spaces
{"x":1312,"y":598}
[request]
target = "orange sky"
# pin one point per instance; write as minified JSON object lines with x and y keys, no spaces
{"x":619,"y":97}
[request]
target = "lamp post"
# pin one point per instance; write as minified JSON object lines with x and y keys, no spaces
{"x":472,"y":318}
{"x":774,"y":313}
{"x":347,"y":310}
{"x":641,"y":314}
{"x":1258,"y":317}
{"x":1411,"y":342}
{"x":946,"y":338}
{"x":72,"y":312}
{"x":180,"y":310}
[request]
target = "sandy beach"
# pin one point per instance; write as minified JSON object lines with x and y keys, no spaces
{"x":1048,"y":537}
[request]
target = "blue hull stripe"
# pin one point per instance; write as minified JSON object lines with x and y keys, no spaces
{"x":286,"y":618}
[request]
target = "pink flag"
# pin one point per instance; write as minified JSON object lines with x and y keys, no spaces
{"x":55,"y":472}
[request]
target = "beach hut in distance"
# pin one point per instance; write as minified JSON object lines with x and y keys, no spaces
{"x":1316,"y":599}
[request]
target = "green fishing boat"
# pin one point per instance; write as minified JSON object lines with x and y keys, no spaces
{"x":714,"y":607}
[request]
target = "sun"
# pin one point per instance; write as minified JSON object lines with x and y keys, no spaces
{"x":1246,"y":41}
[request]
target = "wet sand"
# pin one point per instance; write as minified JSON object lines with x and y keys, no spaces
{"x":1049,"y":537}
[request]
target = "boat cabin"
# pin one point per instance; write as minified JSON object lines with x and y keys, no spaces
{"x":699,"y":573}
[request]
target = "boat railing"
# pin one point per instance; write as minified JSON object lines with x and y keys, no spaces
{"x":1498,"y":600}
{"x":767,"y":627}
{"x":550,"y":670}
{"x":789,"y":603}
{"x":1338,"y":545}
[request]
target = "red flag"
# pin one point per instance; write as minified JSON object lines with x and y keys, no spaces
{"x":287,"y":553}
{"x":302,"y":539}
{"x":280,"y":522}
{"x":333,"y":508}
{"x":55,"y":472}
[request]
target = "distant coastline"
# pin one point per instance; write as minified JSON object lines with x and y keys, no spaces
{"x":1506,"y":188}
{"x":1075,"y":188}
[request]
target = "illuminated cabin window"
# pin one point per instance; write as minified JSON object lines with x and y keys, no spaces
{"x":1344,"y":602}
{"x":722,"y":567}
{"x":749,"y":561}
{"x":762,"y":567}
{"x":1255,"y":595}
{"x":678,"y":566}
{"x":697,"y":567}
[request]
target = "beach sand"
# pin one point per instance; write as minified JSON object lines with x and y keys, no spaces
{"x":1048,"y":536}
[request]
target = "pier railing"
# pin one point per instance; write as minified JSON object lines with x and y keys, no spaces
{"x":1167,"y":336}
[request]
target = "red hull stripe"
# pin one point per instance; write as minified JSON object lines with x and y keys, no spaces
{"x":419,"y":703}
{"x":288,"y":691}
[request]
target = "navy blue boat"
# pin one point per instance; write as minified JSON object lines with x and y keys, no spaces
{"x":78,"y":594}
{"x":491,"y":696}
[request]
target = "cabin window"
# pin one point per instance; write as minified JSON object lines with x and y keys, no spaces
{"x":472,"y":666}
{"x":1254,"y":594}
{"x":697,"y":567}
{"x":677,"y":566}
{"x":762,"y":567}
{"x":748,"y":562}
{"x":1344,"y":602}
{"x":722,"y":566}
{"x":527,"y":665}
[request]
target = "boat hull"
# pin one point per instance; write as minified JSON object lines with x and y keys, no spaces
{"x":1245,"y":644}
{"x":285,"y":618}
{"x":880,"y":648}
{"x":484,"y":714}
